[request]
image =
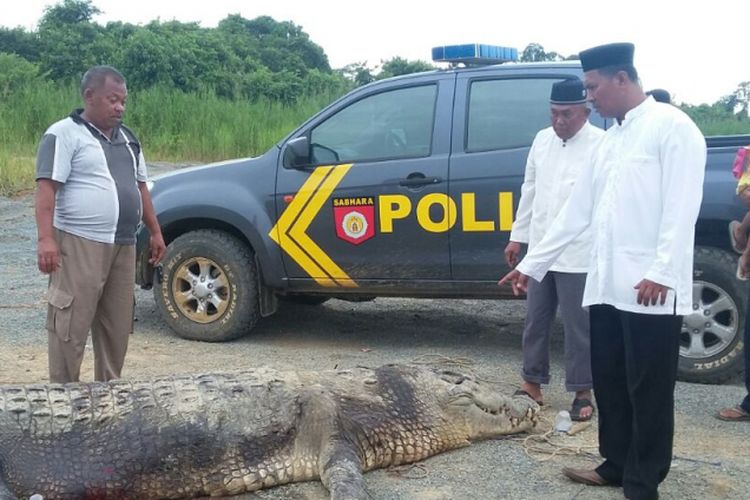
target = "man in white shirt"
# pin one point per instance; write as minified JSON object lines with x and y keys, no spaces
{"x":555,"y":159}
{"x":91,"y":195}
{"x":640,"y":195}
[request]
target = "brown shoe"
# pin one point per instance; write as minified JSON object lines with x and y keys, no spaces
{"x":734,"y":414}
{"x":585,"y":476}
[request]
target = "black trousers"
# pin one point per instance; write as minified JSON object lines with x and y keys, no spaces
{"x":634,"y":367}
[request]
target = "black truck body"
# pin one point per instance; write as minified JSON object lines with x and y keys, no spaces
{"x":404,"y":187}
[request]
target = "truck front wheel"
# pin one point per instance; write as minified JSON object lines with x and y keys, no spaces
{"x":711,"y":339}
{"x":208,"y":289}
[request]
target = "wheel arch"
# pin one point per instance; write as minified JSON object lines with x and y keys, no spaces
{"x":177,"y":222}
{"x":712,"y":233}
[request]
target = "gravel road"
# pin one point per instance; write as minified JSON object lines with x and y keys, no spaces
{"x":711,"y":457}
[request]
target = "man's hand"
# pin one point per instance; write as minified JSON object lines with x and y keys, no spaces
{"x":157,"y":247}
{"x":48,"y":255}
{"x":649,"y":292}
{"x":47,"y":251}
{"x":518,"y":280}
{"x":511,"y":253}
{"x":156,"y":244}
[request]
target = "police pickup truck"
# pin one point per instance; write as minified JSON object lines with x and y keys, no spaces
{"x":404,"y":187}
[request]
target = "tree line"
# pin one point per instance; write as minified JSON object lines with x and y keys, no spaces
{"x":734,"y":107}
{"x":241,"y":58}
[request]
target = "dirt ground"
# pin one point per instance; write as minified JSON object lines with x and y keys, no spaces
{"x":711,"y":458}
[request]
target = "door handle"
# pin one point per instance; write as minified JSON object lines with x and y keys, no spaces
{"x":419,"y":181}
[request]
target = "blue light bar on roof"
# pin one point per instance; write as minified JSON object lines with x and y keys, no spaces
{"x":474,"y":53}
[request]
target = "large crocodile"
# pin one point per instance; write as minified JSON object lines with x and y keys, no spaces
{"x":225,"y":434}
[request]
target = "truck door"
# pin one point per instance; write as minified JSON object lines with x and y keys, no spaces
{"x":359,"y":212}
{"x":495,"y":123}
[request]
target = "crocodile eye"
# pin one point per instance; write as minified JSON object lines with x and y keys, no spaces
{"x":453,"y":377}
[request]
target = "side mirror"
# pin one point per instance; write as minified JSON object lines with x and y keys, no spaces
{"x":297,"y":153}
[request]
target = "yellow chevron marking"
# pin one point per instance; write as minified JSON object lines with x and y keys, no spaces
{"x":279,"y":233}
{"x":299,"y":234}
{"x":290,"y":230}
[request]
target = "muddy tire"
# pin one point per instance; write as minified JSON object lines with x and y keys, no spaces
{"x":208,"y":289}
{"x":711,"y":340}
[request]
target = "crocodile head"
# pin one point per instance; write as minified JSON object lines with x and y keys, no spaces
{"x":474,"y":409}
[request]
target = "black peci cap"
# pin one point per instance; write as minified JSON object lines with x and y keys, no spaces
{"x":612,"y":54}
{"x":660,"y":95}
{"x":568,"y":92}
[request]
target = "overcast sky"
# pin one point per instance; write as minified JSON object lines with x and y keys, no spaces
{"x":699,"y":51}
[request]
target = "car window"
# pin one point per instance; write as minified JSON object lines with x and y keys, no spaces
{"x":508,"y":113}
{"x":392,"y":124}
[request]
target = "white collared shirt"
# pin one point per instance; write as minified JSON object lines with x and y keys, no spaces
{"x":640,"y":197}
{"x":98,"y":198}
{"x":552,"y":167}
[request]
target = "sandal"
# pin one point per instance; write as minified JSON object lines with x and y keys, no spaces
{"x":578,"y":405}
{"x":521,"y":392}
{"x":733,"y":414}
{"x":733,"y":238}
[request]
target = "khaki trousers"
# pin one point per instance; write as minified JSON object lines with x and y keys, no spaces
{"x":92,"y":290}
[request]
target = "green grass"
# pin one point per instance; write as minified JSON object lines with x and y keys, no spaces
{"x":23,"y":118}
{"x":201,"y":126}
{"x":172,"y":126}
{"x":16,"y":171}
{"x":727,"y":126}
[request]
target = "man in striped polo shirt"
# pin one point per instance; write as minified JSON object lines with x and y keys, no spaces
{"x":91,"y":195}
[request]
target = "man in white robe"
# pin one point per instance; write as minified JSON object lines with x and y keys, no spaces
{"x":640,"y":196}
{"x":555,"y":159}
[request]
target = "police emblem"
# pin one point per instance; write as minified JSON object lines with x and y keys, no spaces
{"x":355,"y":219}
{"x":354,"y":225}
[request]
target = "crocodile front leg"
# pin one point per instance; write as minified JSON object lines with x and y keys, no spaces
{"x":341,"y":472}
